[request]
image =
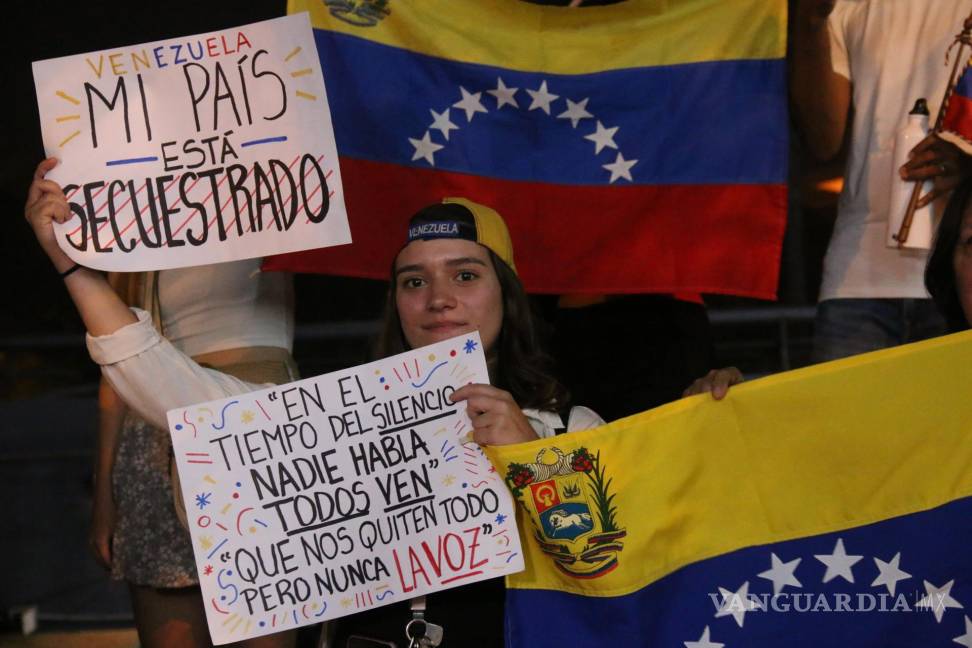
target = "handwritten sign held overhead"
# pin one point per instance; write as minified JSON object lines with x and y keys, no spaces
{"x":340,"y":493}
{"x":194,"y":150}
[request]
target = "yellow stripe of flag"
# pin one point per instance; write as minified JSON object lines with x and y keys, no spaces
{"x":802,"y":453}
{"x":517,"y":35}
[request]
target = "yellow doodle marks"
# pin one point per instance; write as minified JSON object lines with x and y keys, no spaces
{"x":366,"y":599}
{"x":236,"y":620}
{"x":67,"y":97}
{"x":64,"y":118}
{"x":294,"y":52}
{"x":306,"y":71}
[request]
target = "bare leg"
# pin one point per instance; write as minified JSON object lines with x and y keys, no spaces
{"x":169,"y":617}
{"x":175,"y":617}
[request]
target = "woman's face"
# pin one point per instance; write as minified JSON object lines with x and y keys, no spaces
{"x":447,"y":287}
{"x":962,"y":260}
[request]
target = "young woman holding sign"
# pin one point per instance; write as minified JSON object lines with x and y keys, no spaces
{"x":454,"y":275}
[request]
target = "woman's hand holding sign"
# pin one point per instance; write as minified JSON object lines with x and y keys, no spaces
{"x":102,"y":310}
{"x":496,"y":418}
{"x":46,"y":205}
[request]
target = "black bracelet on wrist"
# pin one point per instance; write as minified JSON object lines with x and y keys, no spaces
{"x":71,"y":269}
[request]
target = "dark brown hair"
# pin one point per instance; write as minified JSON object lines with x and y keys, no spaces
{"x":940,"y":271}
{"x":518,"y":363}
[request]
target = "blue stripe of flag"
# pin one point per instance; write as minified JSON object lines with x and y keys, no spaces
{"x":933,"y":546}
{"x":721,"y":122}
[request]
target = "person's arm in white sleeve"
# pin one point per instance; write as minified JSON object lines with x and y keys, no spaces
{"x":152,"y":376}
{"x":149,"y":374}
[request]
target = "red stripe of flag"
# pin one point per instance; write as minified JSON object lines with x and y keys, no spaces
{"x":704,"y":238}
{"x":958,"y":116}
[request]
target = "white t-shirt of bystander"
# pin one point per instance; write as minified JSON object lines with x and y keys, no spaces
{"x":893,"y":52}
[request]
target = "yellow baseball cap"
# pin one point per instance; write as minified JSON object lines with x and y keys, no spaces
{"x":464,"y":219}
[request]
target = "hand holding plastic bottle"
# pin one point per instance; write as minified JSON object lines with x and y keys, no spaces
{"x":937,"y":160}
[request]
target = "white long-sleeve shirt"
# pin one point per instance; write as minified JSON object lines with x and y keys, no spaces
{"x":152,"y":377}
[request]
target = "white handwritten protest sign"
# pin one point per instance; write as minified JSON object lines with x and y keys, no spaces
{"x":194,"y":150}
{"x":343,"y":492}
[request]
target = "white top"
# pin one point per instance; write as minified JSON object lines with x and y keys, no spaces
{"x":546,"y":423}
{"x":226,"y":306}
{"x":152,"y":376}
{"x":893,"y":52}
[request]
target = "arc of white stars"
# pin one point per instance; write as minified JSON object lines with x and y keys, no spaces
{"x":602,"y":137}
{"x":938,"y":599}
{"x":504,"y":95}
{"x":703,"y":642}
{"x":889,"y":573}
{"x":541,"y":98}
{"x":442,"y":123}
{"x":737,"y":604}
{"x":620,"y":168}
{"x":424,"y":148}
{"x":839,"y":563}
{"x":470,"y":103}
{"x":781,"y":573}
{"x":576,"y":112}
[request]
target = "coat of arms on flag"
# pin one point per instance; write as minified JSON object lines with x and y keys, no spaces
{"x":571,"y":507}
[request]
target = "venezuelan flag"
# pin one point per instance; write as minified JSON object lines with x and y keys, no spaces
{"x":829,"y":506}
{"x":638,"y":147}
{"x":957,"y":123}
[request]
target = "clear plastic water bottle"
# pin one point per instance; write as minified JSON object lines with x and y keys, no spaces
{"x":920,"y":235}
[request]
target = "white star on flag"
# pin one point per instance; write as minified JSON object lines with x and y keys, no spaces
{"x":703,"y":642}
{"x":471,"y":103}
{"x":602,"y":137}
{"x":620,"y":168}
{"x":541,"y":98}
{"x":938,"y":599}
{"x":441,"y":122}
{"x":890,"y":574}
{"x":424,"y":148}
{"x":575,"y":112}
{"x":737,"y":604}
{"x":781,"y":573}
{"x":966,"y":639}
{"x":504,"y":96}
{"x":838,"y":563}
